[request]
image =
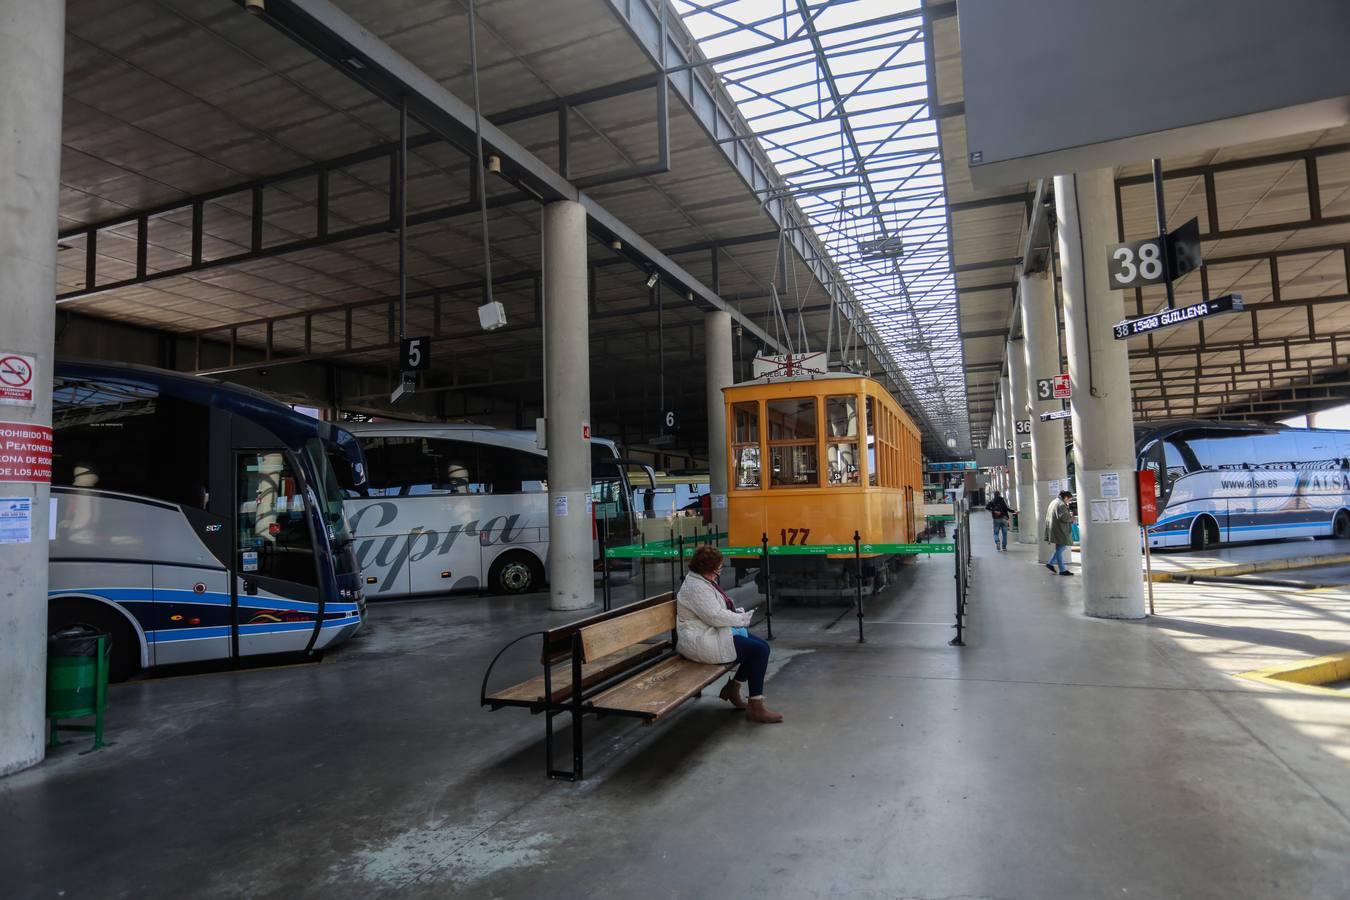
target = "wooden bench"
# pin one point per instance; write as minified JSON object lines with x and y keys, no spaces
{"x":621,"y":663}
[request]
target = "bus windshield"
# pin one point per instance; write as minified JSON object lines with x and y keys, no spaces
{"x":328,"y":491}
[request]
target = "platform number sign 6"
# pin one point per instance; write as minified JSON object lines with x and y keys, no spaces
{"x":414,"y":355}
{"x":670,"y":420}
{"x":1136,"y":264}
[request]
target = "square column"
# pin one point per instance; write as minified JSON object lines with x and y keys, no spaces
{"x":1103,"y":420}
{"x":567,"y":371}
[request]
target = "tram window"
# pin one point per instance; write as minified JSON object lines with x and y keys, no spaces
{"x":872,"y":442}
{"x":841,"y":457}
{"x":747,"y":467}
{"x":792,"y":435}
{"x":794,"y":465}
{"x":745,"y":444}
{"x":274,"y":536}
{"x":747,"y":423}
{"x":841,"y":417}
{"x":792,"y":419}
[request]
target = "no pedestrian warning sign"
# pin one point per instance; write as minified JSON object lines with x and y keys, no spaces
{"x":25,"y":453}
{"x":16,"y":379}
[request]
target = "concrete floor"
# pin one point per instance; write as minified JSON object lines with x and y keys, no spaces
{"x":1053,"y":757}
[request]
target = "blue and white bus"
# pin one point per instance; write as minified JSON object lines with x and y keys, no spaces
{"x":197,"y":521}
{"x":1221,"y":482}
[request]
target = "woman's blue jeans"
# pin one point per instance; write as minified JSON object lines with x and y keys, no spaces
{"x":753,"y":655}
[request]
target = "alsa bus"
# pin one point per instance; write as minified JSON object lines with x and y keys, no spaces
{"x":196,"y":520}
{"x":1220,"y":482}
{"x":465,"y":508}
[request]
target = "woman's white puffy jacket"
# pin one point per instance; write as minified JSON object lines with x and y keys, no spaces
{"x":703,"y":623}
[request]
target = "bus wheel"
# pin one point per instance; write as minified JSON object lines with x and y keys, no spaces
{"x":1204,"y":532}
{"x":125,"y":657}
{"x":516,"y":573}
{"x":1340,"y":529}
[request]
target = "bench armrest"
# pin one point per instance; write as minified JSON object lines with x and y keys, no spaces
{"x":482,"y":694}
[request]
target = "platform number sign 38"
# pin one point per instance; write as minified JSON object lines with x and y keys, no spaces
{"x":1136,"y":264}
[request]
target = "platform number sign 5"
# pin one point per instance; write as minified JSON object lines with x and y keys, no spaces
{"x":414,"y":355}
{"x":1136,"y":264}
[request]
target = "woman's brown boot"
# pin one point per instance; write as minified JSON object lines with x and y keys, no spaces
{"x":731,"y":692}
{"x":759,"y":713}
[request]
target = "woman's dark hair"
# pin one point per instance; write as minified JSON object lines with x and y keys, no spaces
{"x":1064,"y":495}
{"x":706,"y":559}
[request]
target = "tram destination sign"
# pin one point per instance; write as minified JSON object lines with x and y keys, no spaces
{"x":1057,"y":414}
{"x":1179,"y":316}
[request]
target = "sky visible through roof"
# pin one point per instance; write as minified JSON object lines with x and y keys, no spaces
{"x":836,"y":92}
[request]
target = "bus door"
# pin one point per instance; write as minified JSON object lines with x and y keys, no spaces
{"x":275,"y":596}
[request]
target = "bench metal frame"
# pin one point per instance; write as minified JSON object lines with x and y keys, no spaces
{"x":578,"y":704}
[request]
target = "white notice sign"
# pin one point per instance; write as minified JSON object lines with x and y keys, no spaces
{"x":1054,"y":487}
{"x":1110,"y":484}
{"x":719,"y":501}
{"x":1120,"y":510}
{"x":560,"y":507}
{"x":16,"y":520}
{"x":1101,"y":511}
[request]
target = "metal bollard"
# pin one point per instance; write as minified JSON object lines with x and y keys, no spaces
{"x":857,"y":562}
{"x":768,"y":584}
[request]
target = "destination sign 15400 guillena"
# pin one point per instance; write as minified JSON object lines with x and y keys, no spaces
{"x":1179,"y":316}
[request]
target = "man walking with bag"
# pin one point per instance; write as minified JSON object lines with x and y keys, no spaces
{"x":998,"y":508}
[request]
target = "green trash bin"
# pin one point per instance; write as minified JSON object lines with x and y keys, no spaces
{"x":1014,"y":523}
{"x":77,"y":679}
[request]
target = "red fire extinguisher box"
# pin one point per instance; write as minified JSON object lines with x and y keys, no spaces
{"x":1146,"y":483}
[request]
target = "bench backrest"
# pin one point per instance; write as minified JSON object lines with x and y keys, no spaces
{"x":604,"y":638}
{"x":558,"y":641}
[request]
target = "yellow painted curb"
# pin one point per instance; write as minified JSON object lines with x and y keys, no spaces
{"x":1253,"y":568}
{"x":1308,"y":675}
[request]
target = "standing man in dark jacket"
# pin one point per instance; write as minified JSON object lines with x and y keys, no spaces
{"x":998,"y":508}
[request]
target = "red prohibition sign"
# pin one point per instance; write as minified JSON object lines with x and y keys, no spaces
{"x":15,"y":371}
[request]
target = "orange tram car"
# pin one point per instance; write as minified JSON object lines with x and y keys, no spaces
{"x":814,"y":458}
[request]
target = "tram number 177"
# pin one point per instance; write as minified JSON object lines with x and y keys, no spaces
{"x":794,"y":535}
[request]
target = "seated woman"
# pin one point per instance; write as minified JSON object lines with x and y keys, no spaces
{"x":711,"y":629}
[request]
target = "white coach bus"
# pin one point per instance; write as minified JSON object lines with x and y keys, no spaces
{"x":1219,"y":482}
{"x":465,"y":508}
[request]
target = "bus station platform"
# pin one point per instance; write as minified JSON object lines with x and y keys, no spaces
{"x":1053,"y":756}
{"x":1250,"y":559}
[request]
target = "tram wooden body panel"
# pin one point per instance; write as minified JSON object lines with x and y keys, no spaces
{"x":814,"y":485}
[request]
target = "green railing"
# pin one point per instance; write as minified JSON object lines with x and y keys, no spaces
{"x":656,"y":550}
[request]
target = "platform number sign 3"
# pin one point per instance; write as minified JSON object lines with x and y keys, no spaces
{"x":414,"y":354}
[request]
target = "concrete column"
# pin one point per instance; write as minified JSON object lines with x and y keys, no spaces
{"x":717,"y":363}
{"x":1040,"y":343}
{"x":1025,"y":496}
{"x":568,"y":373}
{"x":1103,"y":422}
{"x":32,"y":55}
{"x":995,"y":440}
{"x":999,"y":440}
{"x":1009,"y":434}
